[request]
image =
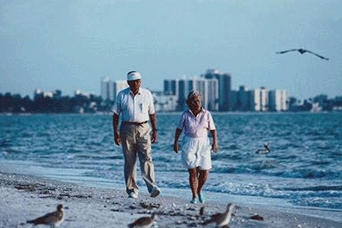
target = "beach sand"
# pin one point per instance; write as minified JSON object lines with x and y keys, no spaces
{"x":26,"y":197}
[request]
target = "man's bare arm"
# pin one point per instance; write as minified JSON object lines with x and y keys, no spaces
{"x":117,"y":138}
{"x":153,"y":119}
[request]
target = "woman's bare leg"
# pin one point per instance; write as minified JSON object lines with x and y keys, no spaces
{"x":203,"y":176}
{"x":193,"y":180}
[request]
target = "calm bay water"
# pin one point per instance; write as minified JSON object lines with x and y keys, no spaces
{"x":304,"y":167}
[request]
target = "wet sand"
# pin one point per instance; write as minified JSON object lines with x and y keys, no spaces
{"x":25,"y":197}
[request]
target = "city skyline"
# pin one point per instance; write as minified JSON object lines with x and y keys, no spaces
{"x":71,"y":45}
{"x":216,"y":94}
{"x":123,"y":84}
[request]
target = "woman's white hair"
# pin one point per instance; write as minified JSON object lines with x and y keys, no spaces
{"x":193,"y":94}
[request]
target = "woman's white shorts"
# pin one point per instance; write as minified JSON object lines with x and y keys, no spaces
{"x":196,"y":153}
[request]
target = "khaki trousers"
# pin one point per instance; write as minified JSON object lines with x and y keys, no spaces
{"x":136,"y":142}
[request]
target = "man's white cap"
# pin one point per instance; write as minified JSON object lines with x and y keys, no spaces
{"x":133,"y":75}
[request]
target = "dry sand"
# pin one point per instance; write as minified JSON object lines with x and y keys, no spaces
{"x":25,"y":197}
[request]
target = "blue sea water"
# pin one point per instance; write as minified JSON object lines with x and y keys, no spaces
{"x":304,"y":168}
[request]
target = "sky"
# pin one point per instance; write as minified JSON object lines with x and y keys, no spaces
{"x":70,"y":44}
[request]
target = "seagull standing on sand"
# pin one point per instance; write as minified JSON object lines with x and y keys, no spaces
{"x":302,"y":51}
{"x":266,"y":150}
{"x":54,"y":219}
{"x":143,"y":222}
{"x":221,"y":219}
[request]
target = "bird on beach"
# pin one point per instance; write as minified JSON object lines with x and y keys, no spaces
{"x":265,"y":150}
{"x":54,"y":218}
{"x":302,"y":51}
{"x":143,"y":222}
{"x":221,"y":219}
{"x":201,"y":211}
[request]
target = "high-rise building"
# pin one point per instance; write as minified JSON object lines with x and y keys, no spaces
{"x":278,"y":100}
{"x":107,"y":92}
{"x":255,"y":100}
{"x":234,"y":102}
{"x":211,"y":94}
{"x":244,"y":101}
{"x":118,"y":86}
{"x":264,"y":99}
{"x":224,"y":88}
{"x":180,"y":88}
{"x":182,"y":94}
{"x":207,"y":87}
{"x":259,"y":100}
{"x":171,"y":87}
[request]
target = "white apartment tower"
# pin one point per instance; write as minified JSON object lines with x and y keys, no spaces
{"x":118,"y":86}
{"x":211,"y":94}
{"x":259,"y":100}
{"x":264,"y":99}
{"x":107,"y":92}
{"x":255,"y":100}
{"x":278,"y":100}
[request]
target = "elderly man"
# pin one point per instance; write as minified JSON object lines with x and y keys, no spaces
{"x":135,"y":105}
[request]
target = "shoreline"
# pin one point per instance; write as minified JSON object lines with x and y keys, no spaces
{"x":24,"y":197}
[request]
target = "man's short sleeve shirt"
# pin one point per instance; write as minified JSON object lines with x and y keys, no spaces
{"x":134,"y":108}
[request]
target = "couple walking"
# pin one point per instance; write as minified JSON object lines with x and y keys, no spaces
{"x":135,"y":106}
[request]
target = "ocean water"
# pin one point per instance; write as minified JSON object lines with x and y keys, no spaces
{"x":304,"y":168}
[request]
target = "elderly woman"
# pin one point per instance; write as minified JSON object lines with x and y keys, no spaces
{"x":196,"y":123}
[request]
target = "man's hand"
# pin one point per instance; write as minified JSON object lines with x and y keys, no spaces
{"x":117,"y":138}
{"x":154,"y":136}
{"x":176,"y":147}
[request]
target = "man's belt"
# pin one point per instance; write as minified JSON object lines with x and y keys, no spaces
{"x":135,"y":123}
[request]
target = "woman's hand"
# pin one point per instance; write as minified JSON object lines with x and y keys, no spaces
{"x":215,"y":147}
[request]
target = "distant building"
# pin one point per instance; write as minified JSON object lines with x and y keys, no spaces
{"x":255,"y":100}
{"x":224,"y":88}
{"x":38,"y":93}
{"x":107,"y":92}
{"x":234,"y":103}
{"x":264,"y":99}
{"x":164,"y":103}
{"x":171,"y":87}
{"x":182,"y":87}
{"x":218,"y":96}
{"x":183,"y":92}
{"x":259,"y":100}
{"x":211,"y":94}
{"x":244,"y":101}
{"x":118,"y":86}
{"x":78,"y":92}
{"x":208,"y":86}
{"x":278,"y":100}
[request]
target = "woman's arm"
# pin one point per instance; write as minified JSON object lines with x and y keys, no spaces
{"x":214,"y":147}
{"x":177,"y":135}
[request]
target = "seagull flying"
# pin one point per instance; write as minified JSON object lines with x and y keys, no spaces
{"x":302,"y":51}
